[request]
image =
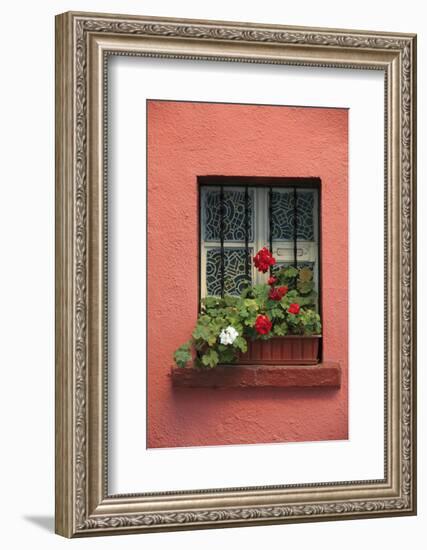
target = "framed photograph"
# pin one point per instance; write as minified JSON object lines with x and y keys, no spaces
{"x":235,"y":274}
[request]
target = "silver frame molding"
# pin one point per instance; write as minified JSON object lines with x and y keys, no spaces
{"x":83,"y":43}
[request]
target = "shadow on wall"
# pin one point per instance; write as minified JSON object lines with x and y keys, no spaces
{"x":44,"y":522}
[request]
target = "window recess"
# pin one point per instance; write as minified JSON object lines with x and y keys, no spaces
{"x":239,"y":216}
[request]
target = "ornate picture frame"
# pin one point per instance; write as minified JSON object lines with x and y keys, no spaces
{"x":84,"y":42}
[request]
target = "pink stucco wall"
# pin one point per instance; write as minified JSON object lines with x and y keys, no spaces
{"x":190,"y":139}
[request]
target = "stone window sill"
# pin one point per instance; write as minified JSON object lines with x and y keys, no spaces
{"x":323,"y":375}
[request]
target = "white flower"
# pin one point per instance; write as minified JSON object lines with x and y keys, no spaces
{"x":228,"y":335}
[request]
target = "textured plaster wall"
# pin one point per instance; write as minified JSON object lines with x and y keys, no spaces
{"x":190,"y":139}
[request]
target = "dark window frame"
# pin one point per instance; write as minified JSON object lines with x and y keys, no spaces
{"x":223,"y":181}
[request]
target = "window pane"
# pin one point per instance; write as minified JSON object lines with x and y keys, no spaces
{"x":283,"y":215}
{"x":234,"y":215}
{"x":234,"y":271}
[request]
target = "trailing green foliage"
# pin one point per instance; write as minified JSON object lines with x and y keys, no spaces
{"x":294,"y":313}
{"x":183,"y":355}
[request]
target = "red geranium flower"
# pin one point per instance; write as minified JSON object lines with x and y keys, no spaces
{"x":272,"y":281}
{"x":263,"y":260}
{"x":277,"y":293}
{"x":263,"y":324}
{"x":293,"y":308}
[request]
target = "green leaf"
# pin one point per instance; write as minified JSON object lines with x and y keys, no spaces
{"x":310,"y":321}
{"x":290,"y":272}
{"x":293,"y":319}
{"x":210,"y":358}
{"x":211,"y":303}
{"x":305,"y":274}
{"x":280,"y":329}
{"x":212,"y":340}
{"x":276,"y":312}
{"x":230,"y":301}
{"x":183,"y":355}
{"x":240,"y":343}
{"x":305,"y":287}
{"x":197,"y":363}
{"x":308,"y":300}
{"x":243,"y":312}
{"x":201,"y":332}
{"x":251,"y":305}
{"x":229,"y":355}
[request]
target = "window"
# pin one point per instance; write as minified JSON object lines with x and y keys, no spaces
{"x":240,"y":216}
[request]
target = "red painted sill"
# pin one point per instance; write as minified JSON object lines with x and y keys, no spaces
{"x":322,"y":375}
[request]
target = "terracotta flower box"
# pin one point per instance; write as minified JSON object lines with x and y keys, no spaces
{"x":282,"y":350}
